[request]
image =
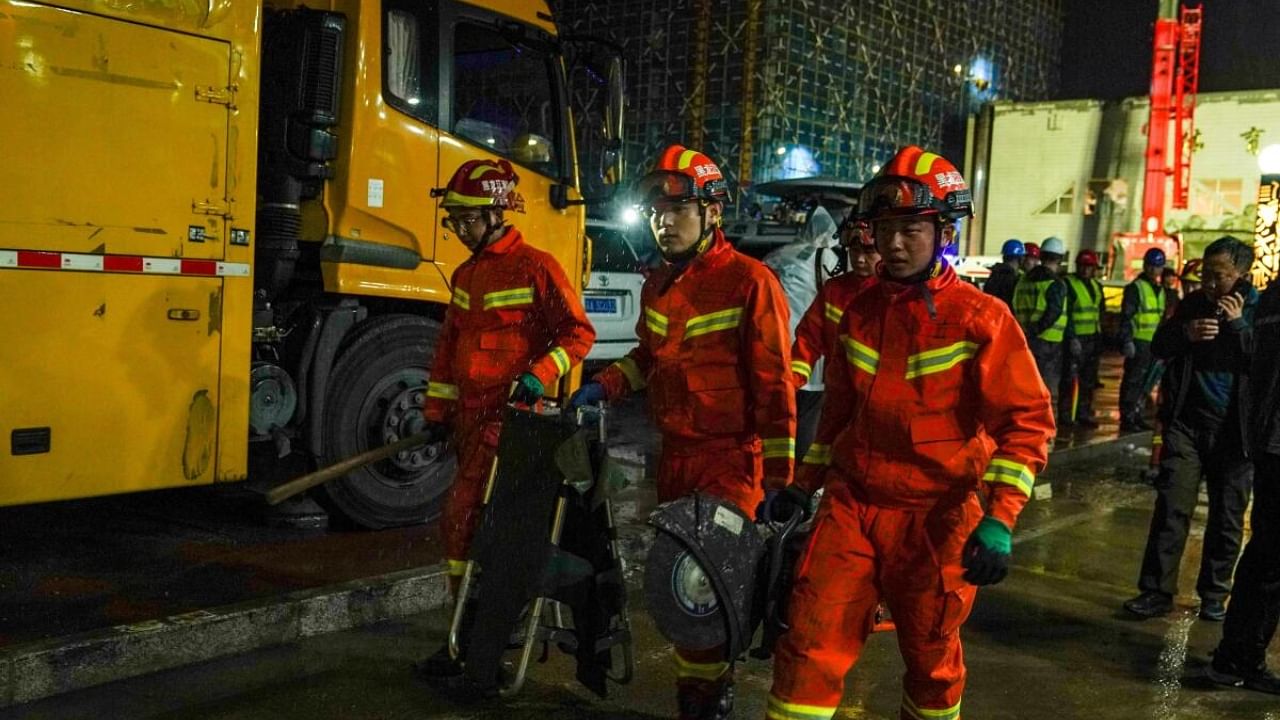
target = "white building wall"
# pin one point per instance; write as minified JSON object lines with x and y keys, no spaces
{"x":1039,"y":151}
{"x":1039,"y":148}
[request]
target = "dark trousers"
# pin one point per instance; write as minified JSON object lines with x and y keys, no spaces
{"x":1255,"y":602}
{"x":1193,"y":451}
{"x":1049,"y":359}
{"x":808,"y":411}
{"x":1084,"y":369}
{"x":1135,"y":379}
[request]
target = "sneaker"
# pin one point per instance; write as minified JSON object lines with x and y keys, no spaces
{"x":1149,"y":604}
{"x":1225,"y":672}
{"x":1213,"y":610}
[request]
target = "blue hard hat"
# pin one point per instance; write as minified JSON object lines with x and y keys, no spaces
{"x":1154,"y":256}
{"x":1013,"y":247}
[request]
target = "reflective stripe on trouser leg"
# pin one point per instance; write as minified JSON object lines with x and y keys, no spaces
{"x":832,"y":609}
{"x":699,"y":665}
{"x":462,"y":503}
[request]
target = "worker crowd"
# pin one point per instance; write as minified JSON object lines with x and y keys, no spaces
{"x":938,"y":412}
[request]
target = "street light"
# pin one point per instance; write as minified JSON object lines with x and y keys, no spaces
{"x":1266,"y":223}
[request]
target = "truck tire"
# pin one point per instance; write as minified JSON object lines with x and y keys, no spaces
{"x":377,"y":389}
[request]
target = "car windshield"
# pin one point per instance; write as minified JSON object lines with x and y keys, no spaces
{"x":613,"y":251}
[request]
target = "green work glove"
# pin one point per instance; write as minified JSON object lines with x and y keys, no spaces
{"x":986,"y":552}
{"x":528,"y":390}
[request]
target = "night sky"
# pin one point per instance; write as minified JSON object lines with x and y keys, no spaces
{"x":1106,"y":49}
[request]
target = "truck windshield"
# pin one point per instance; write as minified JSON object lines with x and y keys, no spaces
{"x":505,"y":97}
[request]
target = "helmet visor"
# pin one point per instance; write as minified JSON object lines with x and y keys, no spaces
{"x":669,"y":186}
{"x":893,"y":195}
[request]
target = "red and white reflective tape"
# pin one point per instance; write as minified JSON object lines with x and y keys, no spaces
{"x":42,"y":260}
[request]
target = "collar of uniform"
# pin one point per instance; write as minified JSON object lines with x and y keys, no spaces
{"x":710,"y":257}
{"x":509,"y":241}
{"x":943,"y":279}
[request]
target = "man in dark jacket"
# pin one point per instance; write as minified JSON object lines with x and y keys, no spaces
{"x":1204,"y":408}
{"x":1005,"y":275}
{"x":1241,"y":658}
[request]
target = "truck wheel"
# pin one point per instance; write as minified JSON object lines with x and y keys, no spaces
{"x":375,"y":395}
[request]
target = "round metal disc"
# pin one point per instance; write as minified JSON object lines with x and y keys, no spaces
{"x":680,"y":599}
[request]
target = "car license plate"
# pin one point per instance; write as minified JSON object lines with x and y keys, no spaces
{"x":602,"y":305}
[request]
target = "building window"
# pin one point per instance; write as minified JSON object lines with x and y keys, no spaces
{"x":1063,"y":204}
{"x":1212,"y":198}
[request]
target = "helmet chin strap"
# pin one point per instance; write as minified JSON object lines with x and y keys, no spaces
{"x":492,"y":231}
{"x":705,"y":233}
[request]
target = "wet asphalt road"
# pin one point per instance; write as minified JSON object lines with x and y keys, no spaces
{"x":1050,"y":642}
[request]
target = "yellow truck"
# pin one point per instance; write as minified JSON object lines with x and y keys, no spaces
{"x":218,"y":245}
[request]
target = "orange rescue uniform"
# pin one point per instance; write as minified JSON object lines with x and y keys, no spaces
{"x":714,"y":358}
{"x":816,"y":332}
{"x":935,"y":399}
{"x":513,"y":311}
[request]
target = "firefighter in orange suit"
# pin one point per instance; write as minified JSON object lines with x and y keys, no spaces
{"x":714,"y":358}
{"x":514,"y":318}
{"x":935,"y":403}
{"x":815,"y":334}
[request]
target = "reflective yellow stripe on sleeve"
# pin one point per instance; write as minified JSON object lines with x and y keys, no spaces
{"x":631,"y":371}
{"x":713,"y":322}
{"x":1010,"y":473}
{"x":461,"y":298}
{"x":784,"y":447}
{"x":801,"y":367}
{"x":780,"y":710}
{"x":817,"y":454}
{"x":444,"y":391}
{"x":561,"y":359}
{"x":832,"y":313}
{"x":862,"y":357}
{"x":655,"y":321}
{"x":457,"y":567}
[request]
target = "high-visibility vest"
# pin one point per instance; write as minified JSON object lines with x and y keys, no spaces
{"x":1150,"y":310}
{"x":1030,"y":300}
{"x":1085,"y":314}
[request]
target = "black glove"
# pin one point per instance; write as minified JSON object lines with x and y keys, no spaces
{"x":780,"y":505}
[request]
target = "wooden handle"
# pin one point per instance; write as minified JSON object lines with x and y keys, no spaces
{"x":324,"y":475}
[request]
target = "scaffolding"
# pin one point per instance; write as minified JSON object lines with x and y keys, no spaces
{"x":775,"y":88}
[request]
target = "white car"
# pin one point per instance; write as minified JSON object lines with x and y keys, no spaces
{"x":612,"y":297}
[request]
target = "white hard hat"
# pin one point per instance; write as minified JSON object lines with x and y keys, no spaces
{"x":1053,"y":245}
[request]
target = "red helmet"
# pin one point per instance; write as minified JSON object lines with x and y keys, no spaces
{"x":1191,"y":271}
{"x":1087,"y":258}
{"x":916,"y":182}
{"x":681,"y":175}
{"x":480,"y":183}
{"x":1033,"y":250}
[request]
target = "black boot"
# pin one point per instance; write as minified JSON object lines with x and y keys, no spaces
{"x":705,"y":700}
{"x":1225,"y":671}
